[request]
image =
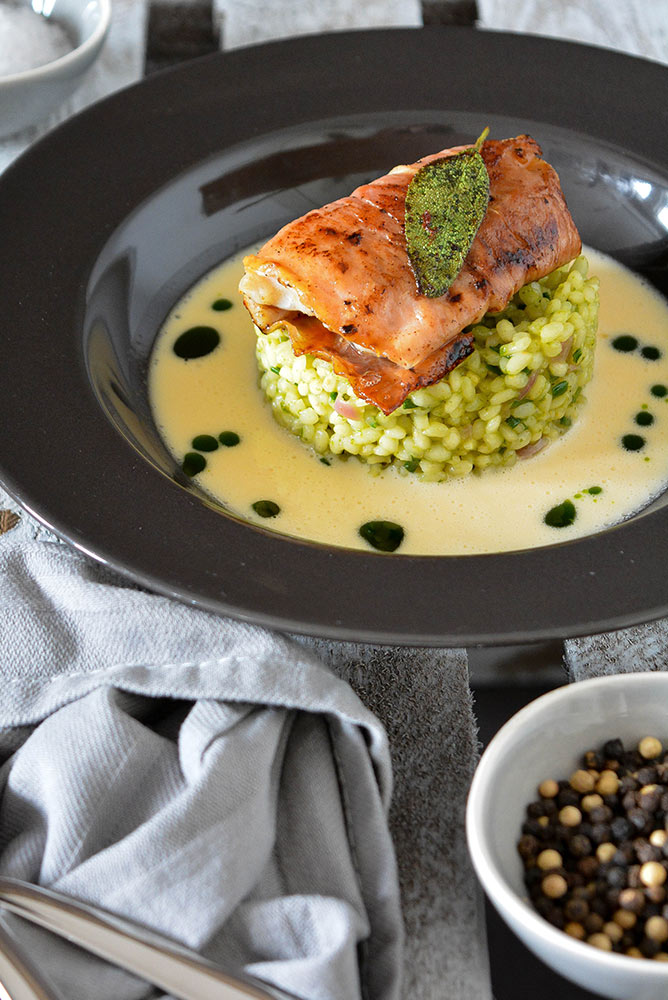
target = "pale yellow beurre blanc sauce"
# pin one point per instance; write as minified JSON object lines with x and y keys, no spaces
{"x":490,"y":512}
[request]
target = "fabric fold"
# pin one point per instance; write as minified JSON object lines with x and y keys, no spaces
{"x":209,"y":779}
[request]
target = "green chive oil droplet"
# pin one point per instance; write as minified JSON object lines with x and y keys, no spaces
{"x":633,"y":442}
{"x":561,"y":516}
{"x":196,"y":342}
{"x":651,"y":353}
{"x":659,"y":391}
{"x":386,"y":536}
{"x":221,"y":305}
{"x":204,"y":442}
{"x":266,"y":508}
{"x":193,"y":463}
{"x":625,"y":343}
{"x":644,"y":419}
{"x":595,"y":490}
{"x":229,"y":438}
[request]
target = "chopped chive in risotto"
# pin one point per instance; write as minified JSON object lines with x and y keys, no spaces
{"x":520,"y":389}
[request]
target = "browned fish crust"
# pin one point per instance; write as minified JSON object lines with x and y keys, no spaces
{"x":362,"y":310}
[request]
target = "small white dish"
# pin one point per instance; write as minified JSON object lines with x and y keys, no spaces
{"x":546,"y":739}
{"x":29,"y":96}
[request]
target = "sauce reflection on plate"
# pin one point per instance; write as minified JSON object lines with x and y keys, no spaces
{"x":216,"y":423}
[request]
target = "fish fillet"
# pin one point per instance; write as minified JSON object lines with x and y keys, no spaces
{"x":339,"y":280}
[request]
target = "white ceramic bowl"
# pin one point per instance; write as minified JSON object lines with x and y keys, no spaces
{"x":544,"y":740}
{"x":28,"y":97}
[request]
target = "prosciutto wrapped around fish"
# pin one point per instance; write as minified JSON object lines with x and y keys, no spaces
{"x":340,"y":282}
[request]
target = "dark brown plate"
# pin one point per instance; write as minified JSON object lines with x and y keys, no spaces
{"x":106,"y":221}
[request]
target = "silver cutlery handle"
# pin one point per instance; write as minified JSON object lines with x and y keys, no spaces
{"x":19,"y":979}
{"x":152,"y":957}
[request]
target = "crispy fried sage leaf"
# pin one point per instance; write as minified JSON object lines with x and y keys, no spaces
{"x":445,"y":203}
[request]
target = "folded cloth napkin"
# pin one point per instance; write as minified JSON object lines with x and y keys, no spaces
{"x":208,"y":779}
{"x":63,"y":603}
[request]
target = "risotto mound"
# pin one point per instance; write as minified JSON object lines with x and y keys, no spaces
{"x":520,"y":389}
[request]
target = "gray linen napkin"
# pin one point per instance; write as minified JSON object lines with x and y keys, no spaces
{"x":209,"y":779}
{"x":421,"y":695}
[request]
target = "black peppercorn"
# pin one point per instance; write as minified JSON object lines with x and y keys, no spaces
{"x":621,"y":829}
{"x":616,"y":877}
{"x":613,"y":749}
{"x":595,"y":849}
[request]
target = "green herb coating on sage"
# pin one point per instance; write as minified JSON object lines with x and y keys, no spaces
{"x":445,"y":203}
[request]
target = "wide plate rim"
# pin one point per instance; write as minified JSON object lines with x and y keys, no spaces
{"x":387,"y":628}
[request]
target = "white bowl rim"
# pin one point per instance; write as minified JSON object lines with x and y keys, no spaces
{"x":74,"y":55}
{"x":490,"y":876}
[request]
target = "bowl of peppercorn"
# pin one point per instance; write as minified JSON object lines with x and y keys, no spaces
{"x":567,"y":826}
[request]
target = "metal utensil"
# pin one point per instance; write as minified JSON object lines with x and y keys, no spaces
{"x":19,"y":979}
{"x":151,"y":956}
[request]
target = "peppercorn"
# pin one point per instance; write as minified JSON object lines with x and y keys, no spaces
{"x":567,"y":797}
{"x":656,"y":894}
{"x":614,"y":931}
{"x":554,"y":886}
{"x":608,"y":783}
{"x":613,"y":748}
{"x":645,"y":851}
{"x":649,"y":948}
{"x":629,"y":799}
{"x":632,"y":899}
{"x":580,"y":846}
{"x":570,"y":816}
{"x":621,"y":829}
{"x":595,"y":850}
{"x":650,"y":799}
{"x":627,"y":783}
{"x":593,"y":923}
{"x":593,"y":759}
{"x":600,"y":940}
{"x":638,"y":818}
{"x":590,"y":802}
{"x":656,"y":928}
{"x":650,"y":748}
{"x":652,"y":873}
{"x":582,"y":781}
{"x":549,"y":859}
{"x":606,"y":852}
{"x":528,"y":845}
{"x":616,"y":877}
{"x":548,"y":789}
{"x":587,"y":866}
{"x":625,"y":918}
{"x":600,"y":833}
{"x":646,"y":775}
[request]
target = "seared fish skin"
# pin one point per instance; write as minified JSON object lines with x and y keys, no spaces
{"x":340,"y":281}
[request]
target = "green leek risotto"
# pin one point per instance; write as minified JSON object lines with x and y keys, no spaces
{"x":210,"y":404}
{"x":520,"y":389}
